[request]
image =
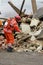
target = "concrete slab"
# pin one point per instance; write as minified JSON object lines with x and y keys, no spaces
{"x":40,"y":36}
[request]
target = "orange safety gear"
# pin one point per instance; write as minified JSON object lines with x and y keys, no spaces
{"x":10,"y":26}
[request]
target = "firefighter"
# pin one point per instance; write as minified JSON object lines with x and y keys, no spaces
{"x":9,"y":27}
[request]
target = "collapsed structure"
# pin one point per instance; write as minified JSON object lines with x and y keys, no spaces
{"x":31,"y":38}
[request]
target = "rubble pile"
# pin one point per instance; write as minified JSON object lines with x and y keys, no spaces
{"x":24,"y":43}
{"x":31,"y":37}
{"x":2,"y":41}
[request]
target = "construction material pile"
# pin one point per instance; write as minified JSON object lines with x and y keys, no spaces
{"x":31,"y":37}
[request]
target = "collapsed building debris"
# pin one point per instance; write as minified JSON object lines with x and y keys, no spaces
{"x":29,"y":39}
{"x":25,"y":44}
{"x":31,"y":43}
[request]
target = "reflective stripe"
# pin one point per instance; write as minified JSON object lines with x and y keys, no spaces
{"x":6,"y":23}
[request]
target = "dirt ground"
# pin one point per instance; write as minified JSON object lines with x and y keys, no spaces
{"x":22,"y":58}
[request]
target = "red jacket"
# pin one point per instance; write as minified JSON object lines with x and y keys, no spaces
{"x":12,"y":25}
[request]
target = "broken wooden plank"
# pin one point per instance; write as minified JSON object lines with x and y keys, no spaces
{"x":3,"y":18}
{"x":22,"y":7}
{"x":14,"y":7}
{"x":24,"y":38}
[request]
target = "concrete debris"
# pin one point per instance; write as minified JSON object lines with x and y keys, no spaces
{"x":39,"y":48}
{"x":41,"y":25}
{"x":23,"y":20}
{"x":25,"y":28}
{"x":33,"y":38}
{"x":35,"y":33}
{"x":40,"y":36}
{"x":32,"y":48}
{"x":29,"y":39}
{"x":18,"y":49}
{"x":3,"y":46}
{"x":29,"y":47}
{"x":34,"y":22}
{"x":1,"y":38}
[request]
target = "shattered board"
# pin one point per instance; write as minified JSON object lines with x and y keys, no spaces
{"x":40,"y":36}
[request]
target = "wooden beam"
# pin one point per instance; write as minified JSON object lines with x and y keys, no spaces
{"x":34,"y":6}
{"x":22,"y":7}
{"x":17,"y":10}
{"x":14,"y":7}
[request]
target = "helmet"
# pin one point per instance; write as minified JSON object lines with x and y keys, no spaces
{"x":18,"y":18}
